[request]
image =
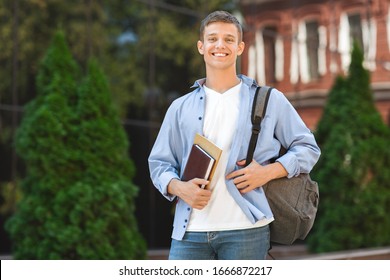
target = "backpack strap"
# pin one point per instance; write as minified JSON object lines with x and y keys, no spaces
{"x":259,"y":109}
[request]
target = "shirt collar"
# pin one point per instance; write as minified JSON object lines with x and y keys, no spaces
{"x":245,"y":80}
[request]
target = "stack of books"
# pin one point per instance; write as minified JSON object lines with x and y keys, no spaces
{"x":203,"y":160}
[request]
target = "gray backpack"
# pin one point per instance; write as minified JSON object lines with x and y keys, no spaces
{"x":294,"y":201}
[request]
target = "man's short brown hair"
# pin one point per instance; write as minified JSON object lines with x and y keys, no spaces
{"x":220,"y":16}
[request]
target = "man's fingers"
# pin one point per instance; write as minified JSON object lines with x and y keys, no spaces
{"x":199,"y":182}
{"x":239,"y":179}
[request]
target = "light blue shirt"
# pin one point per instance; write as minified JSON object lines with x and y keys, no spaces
{"x":281,"y":126}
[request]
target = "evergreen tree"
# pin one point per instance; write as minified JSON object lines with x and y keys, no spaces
{"x":354,"y":169}
{"x":77,"y":195}
{"x":107,"y":175}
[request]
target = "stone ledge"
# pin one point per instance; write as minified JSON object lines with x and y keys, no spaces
{"x":382,"y":253}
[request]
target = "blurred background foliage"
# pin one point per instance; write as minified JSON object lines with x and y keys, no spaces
{"x":146,"y":48}
{"x":78,"y":192}
{"x":147,"y":52}
{"x":132,"y":40}
{"x":354,"y":169}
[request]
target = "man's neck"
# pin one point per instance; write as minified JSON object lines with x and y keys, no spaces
{"x":221,"y":82}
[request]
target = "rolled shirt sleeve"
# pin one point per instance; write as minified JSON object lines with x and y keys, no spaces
{"x":292,"y":133}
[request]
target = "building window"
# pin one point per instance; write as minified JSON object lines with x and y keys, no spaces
{"x":269,"y":37}
{"x":362,"y":31}
{"x":355,"y":29}
{"x":266,"y":56}
{"x":312,"y":43}
{"x":308,"y":52}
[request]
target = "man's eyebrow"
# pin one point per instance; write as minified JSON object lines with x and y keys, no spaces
{"x":215,"y":34}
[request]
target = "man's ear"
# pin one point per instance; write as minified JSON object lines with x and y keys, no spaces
{"x":241,"y":47}
{"x":200,"y":47}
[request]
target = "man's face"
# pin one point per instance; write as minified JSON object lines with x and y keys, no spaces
{"x":220,"y":46}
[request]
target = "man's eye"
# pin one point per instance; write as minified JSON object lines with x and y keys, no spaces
{"x":211,"y":39}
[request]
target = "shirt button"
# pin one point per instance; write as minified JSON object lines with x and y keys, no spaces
{"x":188,"y":209}
{"x":200,"y":118}
{"x":185,"y":220}
{"x":201,"y":97}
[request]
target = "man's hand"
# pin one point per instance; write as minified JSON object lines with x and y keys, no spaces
{"x":255,"y":175}
{"x":191,"y":192}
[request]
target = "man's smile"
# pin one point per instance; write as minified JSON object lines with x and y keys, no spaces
{"x":219,"y":54}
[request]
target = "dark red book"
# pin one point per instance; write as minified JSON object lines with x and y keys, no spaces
{"x":199,"y":164}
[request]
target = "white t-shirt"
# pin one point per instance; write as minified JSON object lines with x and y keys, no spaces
{"x":222,"y":212}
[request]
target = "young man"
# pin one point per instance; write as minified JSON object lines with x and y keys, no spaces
{"x":230,"y":218}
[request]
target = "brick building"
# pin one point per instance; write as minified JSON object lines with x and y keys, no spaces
{"x":300,"y":46}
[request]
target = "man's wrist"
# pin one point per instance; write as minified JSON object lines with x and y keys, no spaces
{"x":277,"y":170}
{"x":172,"y":187}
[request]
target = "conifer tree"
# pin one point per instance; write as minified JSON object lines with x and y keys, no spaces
{"x":77,"y":194}
{"x":354,"y":169}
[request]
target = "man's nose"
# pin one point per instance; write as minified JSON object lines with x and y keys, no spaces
{"x":220,"y":44}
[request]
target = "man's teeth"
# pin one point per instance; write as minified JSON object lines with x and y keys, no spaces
{"x":220,"y":54}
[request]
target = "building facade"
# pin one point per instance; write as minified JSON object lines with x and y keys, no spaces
{"x":300,"y":46}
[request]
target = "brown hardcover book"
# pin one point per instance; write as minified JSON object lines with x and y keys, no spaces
{"x":199,"y":164}
{"x":203,"y":159}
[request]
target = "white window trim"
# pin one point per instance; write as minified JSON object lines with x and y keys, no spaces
{"x":344,"y":43}
{"x":252,"y":61}
{"x":369,"y":31}
{"x":303,"y":54}
{"x":388,"y":28}
{"x":260,"y":57}
{"x":279,"y":53}
{"x":294,"y":66}
{"x":322,"y":50}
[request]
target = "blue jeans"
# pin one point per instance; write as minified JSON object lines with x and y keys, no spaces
{"x":246,"y":244}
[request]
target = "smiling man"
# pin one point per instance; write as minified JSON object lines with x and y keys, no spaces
{"x":230,"y":218}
